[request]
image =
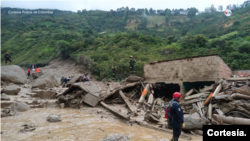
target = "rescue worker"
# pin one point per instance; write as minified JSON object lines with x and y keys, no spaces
{"x":28,"y":73}
{"x":177,"y":118}
{"x":38,"y":70}
{"x":7,"y":58}
{"x":37,"y":65}
{"x":132,"y":62}
{"x":114,"y":69}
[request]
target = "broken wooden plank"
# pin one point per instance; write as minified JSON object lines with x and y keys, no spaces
{"x":130,"y":106}
{"x":133,"y":94}
{"x":150,"y":98}
{"x":217,"y":90}
{"x":207,"y":88}
{"x":190,"y":101}
{"x":199,"y":108}
{"x":196,"y":90}
{"x":189,"y":92}
{"x":210,"y":111}
{"x":200,"y":95}
{"x":121,"y":88}
{"x":239,"y":79}
{"x":149,"y":105}
{"x":118,"y":113}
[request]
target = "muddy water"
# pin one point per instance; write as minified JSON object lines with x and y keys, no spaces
{"x":75,"y":125}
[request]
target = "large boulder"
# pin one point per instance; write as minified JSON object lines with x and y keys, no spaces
{"x":54,"y":118}
{"x":194,"y":121}
{"x":12,"y":90}
{"x":13,"y":73}
{"x":44,"y":94}
{"x":4,"y":97}
{"x":116,"y":137}
{"x":19,"y":106}
{"x":45,"y":81}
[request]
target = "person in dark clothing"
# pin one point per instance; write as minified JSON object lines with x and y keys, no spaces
{"x":62,"y":80}
{"x":30,"y":66}
{"x":177,"y":118}
{"x":65,"y":80}
{"x":114,"y":69}
{"x":7,"y":58}
{"x":132,"y":63}
{"x":37,"y":65}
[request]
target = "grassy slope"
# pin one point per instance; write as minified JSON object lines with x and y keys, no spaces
{"x":25,"y":48}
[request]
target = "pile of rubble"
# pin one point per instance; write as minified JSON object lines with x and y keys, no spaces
{"x":226,"y":102}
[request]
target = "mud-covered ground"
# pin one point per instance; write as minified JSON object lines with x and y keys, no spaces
{"x":85,"y":124}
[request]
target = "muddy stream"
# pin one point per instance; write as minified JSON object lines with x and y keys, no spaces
{"x":76,"y":124}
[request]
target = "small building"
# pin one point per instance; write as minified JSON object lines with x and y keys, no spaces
{"x":187,"y":73}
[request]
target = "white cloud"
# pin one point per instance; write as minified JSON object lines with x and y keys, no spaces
{"x":114,"y":4}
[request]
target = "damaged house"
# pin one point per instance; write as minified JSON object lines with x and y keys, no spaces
{"x":187,"y":73}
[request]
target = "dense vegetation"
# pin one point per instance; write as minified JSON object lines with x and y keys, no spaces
{"x":31,"y":38}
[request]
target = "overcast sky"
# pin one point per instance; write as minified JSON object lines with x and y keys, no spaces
{"x":114,"y":4}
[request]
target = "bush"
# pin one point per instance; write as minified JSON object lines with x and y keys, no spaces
{"x":244,"y":47}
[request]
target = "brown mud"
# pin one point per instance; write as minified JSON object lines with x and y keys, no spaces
{"x":86,"y":124}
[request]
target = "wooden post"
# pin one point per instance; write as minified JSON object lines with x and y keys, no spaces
{"x":217,"y":90}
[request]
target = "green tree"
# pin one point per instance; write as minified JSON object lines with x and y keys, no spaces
{"x":201,"y":40}
{"x":244,"y":47}
{"x":146,"y":11}
{"x":189,"y":42}
{"x":191,"y":12}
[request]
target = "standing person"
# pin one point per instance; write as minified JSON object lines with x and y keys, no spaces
{"x":37,"y":65}
{"x":175,"y":116}
{"x":38,"y":70}
{"x":62,"y":80}
{"x":132,"y":63}
{"x":30,"y":66}
{"x":85,"y":78}
{"x":114,"y":69}
{"x":7,"y":58}
{"x":65,"y":80}
{"x":33,"y":66}
{"x":28,"y":72}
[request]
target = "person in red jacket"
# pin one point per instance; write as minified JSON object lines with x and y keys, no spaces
{"x":28,"y":72}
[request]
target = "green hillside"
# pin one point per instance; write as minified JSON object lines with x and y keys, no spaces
{"x":99,"y":38}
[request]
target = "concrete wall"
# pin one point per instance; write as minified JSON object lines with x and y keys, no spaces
{"x":225,"y":71}
{"x":185,"y":70}
{"x":242,"y":72}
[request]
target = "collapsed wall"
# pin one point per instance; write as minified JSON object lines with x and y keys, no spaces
{"x":195,"y":69}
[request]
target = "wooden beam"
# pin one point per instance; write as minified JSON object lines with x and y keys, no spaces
{"x":205,"y":94}
{"x":189,"y":92}
{"x":130,"y":106}
{"x":190,"y":101}
{"x":118,"y":113}
{"x":239,"y":79}
{"x":217,"y":90}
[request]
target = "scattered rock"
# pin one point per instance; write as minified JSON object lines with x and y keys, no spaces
{"x":27,"y":128}
{"x":45,"y":81}
{"x":18,"y":106}
{"x":12,"y":90}
{"x":4,"y":97}
{"x":53,"y":118}
{"x":116,"y":137}
{"x":13,"y":73}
